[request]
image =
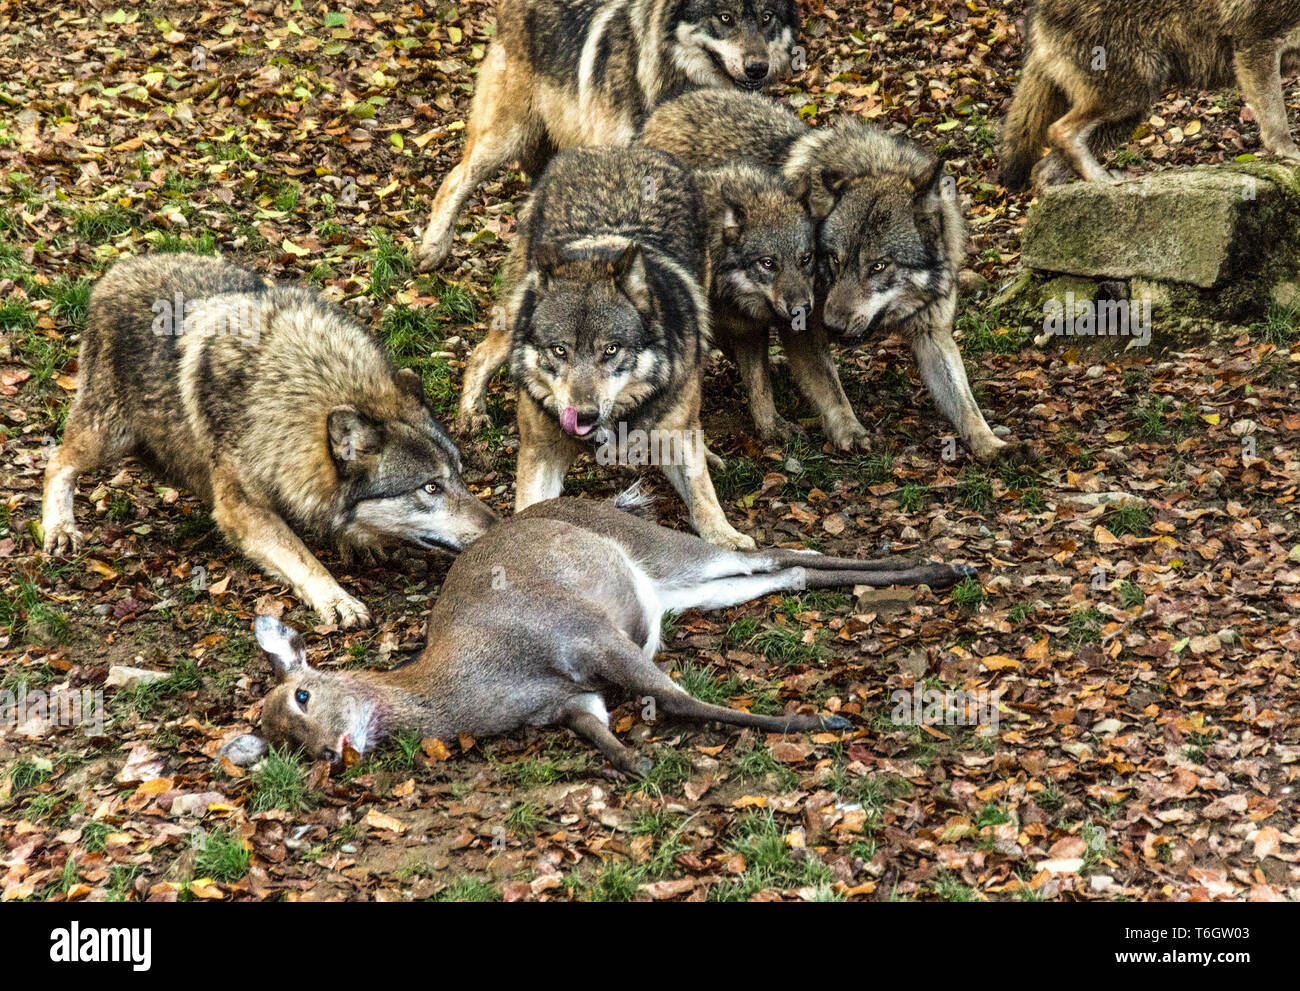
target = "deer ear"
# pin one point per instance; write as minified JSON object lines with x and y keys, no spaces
{"x":630,"y":277}
{"x":408,"y":381}
{"x":283,"y":646}
{"x":352,"y":436}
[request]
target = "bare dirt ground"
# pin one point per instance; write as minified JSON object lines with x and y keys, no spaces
{"x":1145,"y":655}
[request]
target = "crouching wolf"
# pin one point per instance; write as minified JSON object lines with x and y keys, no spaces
{"x":272,"y":406}
{"x":890,"y":239}
{"x":606,"y":328}
{"x":1094,"y":67}
{"x":565,"y":73}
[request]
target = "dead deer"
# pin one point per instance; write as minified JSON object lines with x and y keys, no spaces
{"x":541,"y":614}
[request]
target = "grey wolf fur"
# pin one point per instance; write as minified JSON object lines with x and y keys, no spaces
{"x":565,"y":73}
{"x":1064,"y":100}
{"x":298,"y":424}
{"x":536,"y":619}
{"x":762,"y":270}
{"x":890,"y":240}
{"x":606,"y":323}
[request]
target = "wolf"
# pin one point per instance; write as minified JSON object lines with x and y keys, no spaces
{"x":606,"y":326}
{"x":890,"y":240}
{"x":565,"y":73}
{"x":762,"y":260}
{"x":1094,"y":67}
{"x":271,"y":405}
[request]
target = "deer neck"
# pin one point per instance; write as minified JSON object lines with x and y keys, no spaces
{"x":400,"y":705}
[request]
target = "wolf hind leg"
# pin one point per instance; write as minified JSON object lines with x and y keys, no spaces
{"x":1259,"y":72}
{"x":501,"y":127}
{"x":85,"y":447}
{"x":267,"y":541}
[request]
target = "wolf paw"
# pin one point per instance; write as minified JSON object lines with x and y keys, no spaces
{"x":732,"y":540}
{"x":779,"y":429}
{"x":63,"y":538}
{"x":851,"y":439}
{"x":342,"y":608}
{"x":994,"y":448}
{"x":471,"y":424}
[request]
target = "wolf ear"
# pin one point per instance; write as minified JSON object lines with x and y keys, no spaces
{"x":353,"y":438}
{"x":824,"y":191}
{"x":930,"y":190}
{"x":630,"y":277}
{"x":798,"y":187}
{"x":409,"y":382}
{"x":732,"y":220}
{"x":546,"y":258}
{"x":283,"y":646}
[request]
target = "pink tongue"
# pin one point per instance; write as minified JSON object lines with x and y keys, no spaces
{"x":569,"y":420}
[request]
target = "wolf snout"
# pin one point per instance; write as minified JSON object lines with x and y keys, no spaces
{"x":756,"y":70}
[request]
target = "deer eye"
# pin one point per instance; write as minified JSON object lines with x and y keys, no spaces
{"x":302,"y":697}
{"x":559,"y":350}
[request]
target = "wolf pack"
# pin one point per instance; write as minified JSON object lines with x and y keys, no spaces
{"x":676,"y":210}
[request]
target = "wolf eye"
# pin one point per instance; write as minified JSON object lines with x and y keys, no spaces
{"x":611,"y":350}
{"x":559,"y":350}
{"x":433,"y":488}
{"x":725,"y":19}
{"x":806,"y":259}
{"x":302,"y":697}
{"x":879,"y":266}
{"x":767,"y":17}
{"x":767,"y":263}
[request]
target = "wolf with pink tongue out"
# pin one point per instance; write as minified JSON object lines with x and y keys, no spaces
{"x":606,"y":327}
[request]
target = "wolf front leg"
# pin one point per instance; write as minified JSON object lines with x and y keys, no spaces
{"x":812,"y":365}
{"x":944,"y":374}
{"x":545,"y":454}
{"x":472,"y":418}
{"x":689,"y":475}
{"x":749,"y":349}
{"x":267,"y":541}
{"x":1259,"y":72}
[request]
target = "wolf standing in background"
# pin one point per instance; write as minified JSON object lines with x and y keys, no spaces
{"x":1094,"y":67}
{"x":270,"y":405}
{"x":564,"y":73}
{"x":890,"y":239}
{"x":606,"y":326}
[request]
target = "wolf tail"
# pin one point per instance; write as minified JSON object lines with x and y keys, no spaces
{"x":1037,"y":104}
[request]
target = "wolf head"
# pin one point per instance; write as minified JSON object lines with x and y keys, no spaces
{"x":589,"y":333}
{"x":887,"y":230}
{"x":763,"y":248}
{"x":322,"y":712}
{"x":399,"y":476}
{"x":744,"y":43}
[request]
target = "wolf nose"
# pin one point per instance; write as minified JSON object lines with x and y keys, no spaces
{"x":756,"y":70}
{"x":588,"y":419}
